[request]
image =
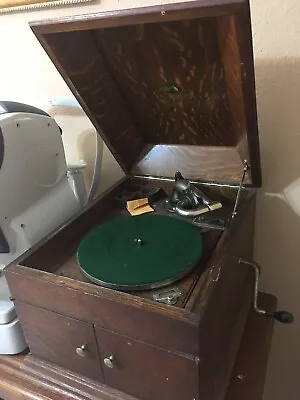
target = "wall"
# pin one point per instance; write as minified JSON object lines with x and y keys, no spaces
{"x":26,"y":72}
{"x":277,"y":59}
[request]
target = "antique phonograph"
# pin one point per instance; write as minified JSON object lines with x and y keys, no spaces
{"x":154,"y":304}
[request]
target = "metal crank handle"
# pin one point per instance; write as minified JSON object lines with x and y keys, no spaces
{"x":282,"y":316}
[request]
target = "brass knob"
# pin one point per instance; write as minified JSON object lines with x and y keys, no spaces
{"x":81,"y":351}
{"x":108,"y":361}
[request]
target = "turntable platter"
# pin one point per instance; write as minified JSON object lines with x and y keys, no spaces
{"x":139,"y":253}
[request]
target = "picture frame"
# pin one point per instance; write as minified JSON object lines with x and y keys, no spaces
{"x":10,"y":6}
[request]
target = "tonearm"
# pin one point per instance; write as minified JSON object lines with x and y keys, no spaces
{"x":188,"y":200}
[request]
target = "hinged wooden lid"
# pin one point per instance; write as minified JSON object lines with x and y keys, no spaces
{"x":168,"y":87}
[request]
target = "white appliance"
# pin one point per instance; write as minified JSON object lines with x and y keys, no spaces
{"x":36,"y":196}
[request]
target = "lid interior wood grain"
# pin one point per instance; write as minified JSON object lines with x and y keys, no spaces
{"x":168,"y":91}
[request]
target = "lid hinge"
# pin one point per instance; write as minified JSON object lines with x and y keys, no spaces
{"x":238,"y":195}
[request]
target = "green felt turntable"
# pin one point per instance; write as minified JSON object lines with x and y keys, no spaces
{"x":139,"y":253}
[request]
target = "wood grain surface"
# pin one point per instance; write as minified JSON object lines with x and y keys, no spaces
{"x":234,"y":70}
{"x":165,"y":86}
{"x":145,"y":371}
{"x":33,"y":285}
{"x":249,"y":373}
{"x":89,"y":73}
{"x":209,"y":163}
{"x":195,"y":330}
{"x":243,"y":37}
{"x":25,"y":378}
{"x":55,"y":338}
{"x":139,"y":318}
{"x":144,"y":59}
{"x":121,"y":66}
{"x":224,"y":299}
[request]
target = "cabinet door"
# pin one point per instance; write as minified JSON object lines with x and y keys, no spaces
{"x":64,"y":341}
{"x":145,"y":371}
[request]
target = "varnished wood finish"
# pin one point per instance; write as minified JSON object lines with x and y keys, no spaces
{"x":224,"y":316}
{"x":119,"y":64}
{"x":244,"y":32}
{"x":194,"y":162}
{"x":234,"y":243}
{"x":233,"y":67}
{"x":113,"y":308}
{"x":58,"y":255}
{"x":24,"y":377}
{"x":145,"y":371}
{"x":89,"y":74}
{"x":145,"y":58}
{"x":55,"y":338}
{"x":251,"y":362}
{"x":193,"y":328}
{"x":121,"y":312}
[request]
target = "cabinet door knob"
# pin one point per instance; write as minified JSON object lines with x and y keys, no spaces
{"x":109,"y":361}
{"x":81,"y":351}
